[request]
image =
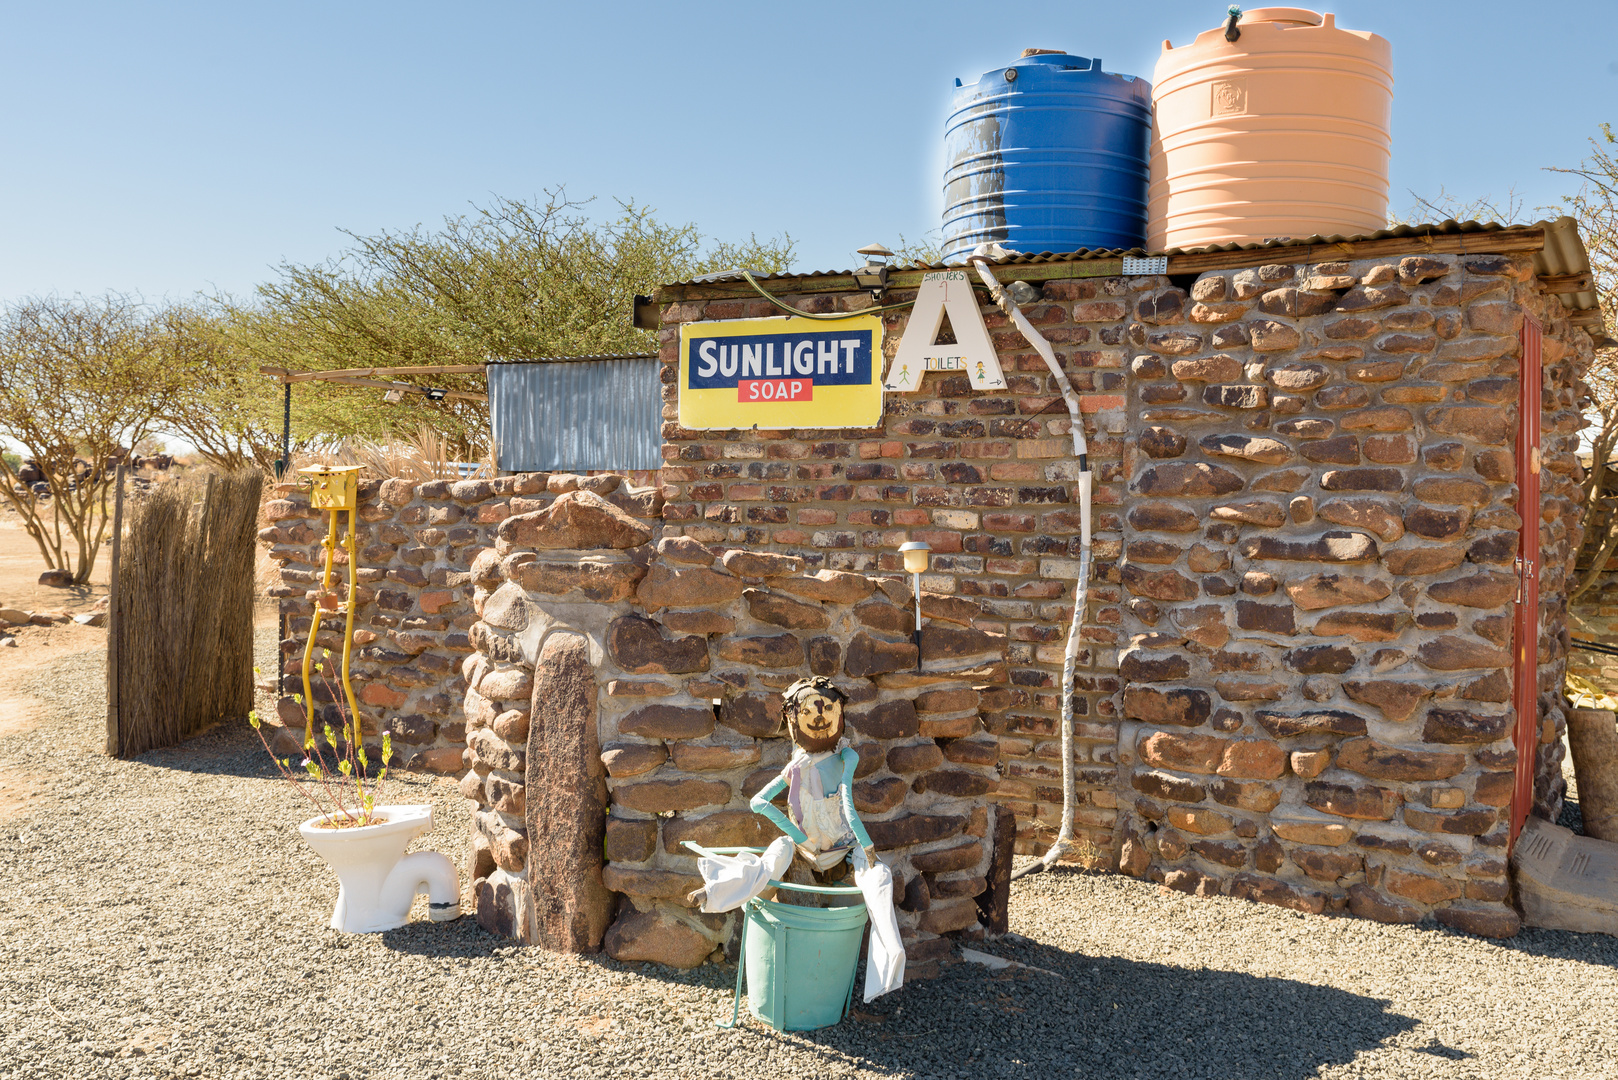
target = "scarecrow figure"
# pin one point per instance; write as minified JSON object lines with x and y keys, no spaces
{"x":819,"y":782}
{"x":824,"y":834}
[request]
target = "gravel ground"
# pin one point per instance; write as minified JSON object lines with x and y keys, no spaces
{"x":160,"y":917}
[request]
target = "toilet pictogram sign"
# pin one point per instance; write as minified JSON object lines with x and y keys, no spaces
{"x":972,"y":352}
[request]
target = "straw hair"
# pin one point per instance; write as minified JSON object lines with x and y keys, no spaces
{"x":186,"y":583}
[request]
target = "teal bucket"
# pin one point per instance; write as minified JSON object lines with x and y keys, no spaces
{"x":799,"y":962}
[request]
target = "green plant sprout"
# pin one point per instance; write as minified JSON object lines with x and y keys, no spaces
{"x":342,"y":791}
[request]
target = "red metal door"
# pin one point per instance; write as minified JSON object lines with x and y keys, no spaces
{"x":1525,"y":696}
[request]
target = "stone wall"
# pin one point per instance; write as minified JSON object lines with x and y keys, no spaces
{"x":986,"y":479}
{"x":1594,"y":617}
{"x":416,"y":543}
{"x":1567,"y":355}
{"x":1318,"y":687}
{"x":1306,"y":525}
{"x":600,"y":658}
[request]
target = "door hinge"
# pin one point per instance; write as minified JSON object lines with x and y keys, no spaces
{"x":1524,"y":568}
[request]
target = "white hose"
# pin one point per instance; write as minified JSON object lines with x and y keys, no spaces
{"x":1064,"y":836}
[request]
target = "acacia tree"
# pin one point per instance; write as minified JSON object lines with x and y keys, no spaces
{"x":1595,"y":206}
{"x":80,"y":380}
{"x":515,"y":280}
{"x":222,"y":405}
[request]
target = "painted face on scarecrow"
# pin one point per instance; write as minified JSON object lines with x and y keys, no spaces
{"x":814,"y":713}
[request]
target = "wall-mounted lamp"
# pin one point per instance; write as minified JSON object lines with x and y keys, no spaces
{"x":916,"y":554}
{"x":873,"y":276}
{"x":436,"y":394}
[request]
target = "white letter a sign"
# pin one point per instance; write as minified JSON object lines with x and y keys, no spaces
{"x":973,"y":353}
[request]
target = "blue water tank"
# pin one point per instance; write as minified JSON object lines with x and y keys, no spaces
{"x":1048,"y":154}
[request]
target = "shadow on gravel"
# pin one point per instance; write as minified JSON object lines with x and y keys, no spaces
{"x":1571,"y":817}
{"x":1105,"y":1017}
{"x":1095,"y":1017}
{"x":461,"y":938}
{"x":1600,"y":950}
{"x":229,"y":748}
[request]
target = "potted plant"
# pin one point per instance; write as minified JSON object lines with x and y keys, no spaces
{"x":362,"y":842}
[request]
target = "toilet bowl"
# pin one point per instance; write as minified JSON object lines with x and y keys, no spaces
{"x":377,"y":880}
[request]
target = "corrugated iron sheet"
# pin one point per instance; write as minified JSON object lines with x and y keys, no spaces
{"x":1444,"y":228}
{"x":1564,"y":255}
{"x":1564,"y":252}
{"x":578,"y":357}
{"x":571,"y":416}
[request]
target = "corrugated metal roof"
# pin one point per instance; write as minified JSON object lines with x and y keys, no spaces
{"x":1563,"y":255}
{"x":1444,"y":228}
{"x":582,"y":358}
{"x":576,"y":414}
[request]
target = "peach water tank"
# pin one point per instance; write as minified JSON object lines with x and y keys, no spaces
{"x":1282,"y":132}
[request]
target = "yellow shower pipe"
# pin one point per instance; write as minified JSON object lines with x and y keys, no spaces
{"x":334,"y":488}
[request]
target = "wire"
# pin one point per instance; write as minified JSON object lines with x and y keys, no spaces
{"x":784,"y":306}
{"x":1593,"y":646}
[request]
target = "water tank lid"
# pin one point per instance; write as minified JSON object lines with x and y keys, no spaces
{"x":1056,"y":58}
{"x":1293,"y":15}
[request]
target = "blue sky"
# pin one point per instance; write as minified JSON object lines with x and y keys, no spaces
{"x":169,"y":148}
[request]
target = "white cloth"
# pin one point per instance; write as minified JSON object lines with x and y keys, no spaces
{"x":733,"y":880}
{"x":885,"y":960}
{"x":827,"y":833}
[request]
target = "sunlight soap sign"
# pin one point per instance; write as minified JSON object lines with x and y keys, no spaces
{"x":781,"y":373}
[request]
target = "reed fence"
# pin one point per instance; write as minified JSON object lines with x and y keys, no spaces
{"x":180,"y":628}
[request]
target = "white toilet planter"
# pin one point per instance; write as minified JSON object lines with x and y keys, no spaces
{"x":378,"y":881}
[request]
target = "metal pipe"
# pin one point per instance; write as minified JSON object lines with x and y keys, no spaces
{"x":330,"y":544}
{"x":282,"y":465}
{"x":915,"y":587}
{"x":1064,"y":836}
{"x":348,"y":630}
{"x":285,"y":464}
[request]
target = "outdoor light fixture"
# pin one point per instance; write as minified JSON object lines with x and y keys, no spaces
{"x":436,"y":395}
{"x":394,"y":396}
{"x":916,"y":553}
{"x":873,"y":276}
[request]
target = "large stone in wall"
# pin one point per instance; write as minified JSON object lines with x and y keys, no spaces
{"x":686,"y":586}
{"x":1184,"y":707}
{"x":1283,"y":725}
{"x":868,"y":655}
{"x":781,"y":611}
{"x":657,"y":937}
{"x":1336,"y":546}
{"x":595,"y":579}
{"x":567,"y":800}
{"x":580,"y":520}
{"x":828,"y":587}
{"x":1380,"y":762}
{"x":1396,"y":698}
{"x":637,"y":645}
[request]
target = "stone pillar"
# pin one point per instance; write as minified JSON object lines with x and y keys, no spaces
{"x":1594,"y":741}
{"x":994,"y":904}
{"x":567,"y":800}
